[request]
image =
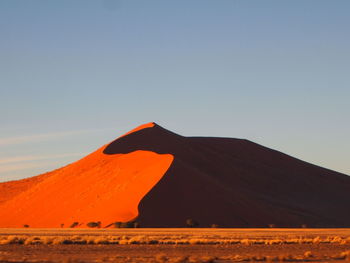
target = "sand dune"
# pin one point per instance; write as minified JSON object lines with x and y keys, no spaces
{"x":161,"y":179}
{"x":100,"y":187}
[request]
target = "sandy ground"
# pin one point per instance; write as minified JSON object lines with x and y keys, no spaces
{"x":291,"y":245}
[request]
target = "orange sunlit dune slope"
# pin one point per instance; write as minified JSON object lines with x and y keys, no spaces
{"x":162,"y":179}
{"x":99,"y":187}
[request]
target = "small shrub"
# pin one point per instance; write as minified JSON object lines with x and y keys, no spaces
{"x":11,"y":240}
{"x":308,"y":254}
{"x":117,"y":224}
{"x":191,"y":223}
{"x":25,"y":226}
{"x":316,"y":240}
{"x":101,"y":241}
{"x":94,"y":224}
{"x":130,"y":224}
{"x":345,"y":254}
{"x":246,"y":241}
{"x":336,"y":239}
{"x":67,"y":241}
{"x":74,"y":224}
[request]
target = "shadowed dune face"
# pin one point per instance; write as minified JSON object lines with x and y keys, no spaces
{"x":164,"y":179}
{"x":235,"y":183}
{"x":100,"y":187}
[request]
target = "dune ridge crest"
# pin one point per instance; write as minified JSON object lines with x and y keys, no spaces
{"x":99,"y":187}
{"x":161,"y":179}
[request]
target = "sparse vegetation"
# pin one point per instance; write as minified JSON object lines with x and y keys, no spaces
{"x":188,"y":239}
{"x":130,"y":224}
{"x":254,"y":246}
{"x":191,"y":223}
{"x":74,"y":224}
{"x":308,"y":254}
{"x":94,"y":224}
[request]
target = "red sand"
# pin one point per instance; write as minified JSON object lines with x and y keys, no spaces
{"x":163,"y":179}
{"x":100,"y":187}
{"x":236,"y":183}
{"x":9,"y":190}
{"x":141,"y":127}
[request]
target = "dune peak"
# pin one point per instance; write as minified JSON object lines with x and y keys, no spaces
{"x":140,"y":127}
{"x":161,"y":179}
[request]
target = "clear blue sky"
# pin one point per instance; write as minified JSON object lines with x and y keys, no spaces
{"x":74,"y":75}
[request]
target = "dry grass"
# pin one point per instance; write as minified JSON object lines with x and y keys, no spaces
{"x":282,"y":245}
{"x":168,"y":240}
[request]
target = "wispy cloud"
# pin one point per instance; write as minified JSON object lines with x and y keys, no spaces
{"x":43,"y":136}
{"x":28,"y":162}
{"x":25,"y":166}
{"x":31,"y":158}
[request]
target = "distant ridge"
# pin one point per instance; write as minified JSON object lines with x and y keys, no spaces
{"x":161,"y":179}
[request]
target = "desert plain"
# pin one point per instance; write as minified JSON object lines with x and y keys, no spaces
{"x":175,"y":245}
